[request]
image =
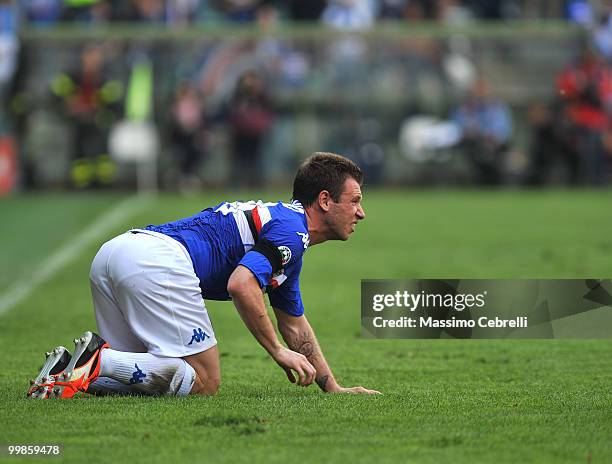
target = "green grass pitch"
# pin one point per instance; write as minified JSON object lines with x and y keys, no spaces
{"x":444,"y":400}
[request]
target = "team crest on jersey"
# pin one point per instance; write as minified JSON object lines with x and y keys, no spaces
{"x":286,"y":253}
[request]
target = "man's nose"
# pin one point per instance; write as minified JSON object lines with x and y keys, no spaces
{"x":360,"y":213}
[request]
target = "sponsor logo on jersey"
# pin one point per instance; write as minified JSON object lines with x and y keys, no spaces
{"x":294,"y":206}
{"x":305,"y":239}
{"x":286,"y":253}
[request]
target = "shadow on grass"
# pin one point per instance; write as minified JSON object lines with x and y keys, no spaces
{"x":235,"y":424}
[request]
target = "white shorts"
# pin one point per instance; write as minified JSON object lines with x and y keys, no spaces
{"x":147,"y":298}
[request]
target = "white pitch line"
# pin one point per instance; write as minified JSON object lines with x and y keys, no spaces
{"x":22,"y":289}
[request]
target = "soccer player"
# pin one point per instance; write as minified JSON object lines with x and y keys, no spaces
{"x":147,"y":285}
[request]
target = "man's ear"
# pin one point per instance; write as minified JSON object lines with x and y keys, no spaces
{"x":324,"y":200}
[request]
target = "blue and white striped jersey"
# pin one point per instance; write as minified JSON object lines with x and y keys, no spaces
{"x":219,"y":239}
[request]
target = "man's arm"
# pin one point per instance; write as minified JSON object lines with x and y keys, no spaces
{"x":299,"y":336}
{"x":248,"y":299}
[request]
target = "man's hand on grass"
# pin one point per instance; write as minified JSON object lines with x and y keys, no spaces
{"x":291,"y":361}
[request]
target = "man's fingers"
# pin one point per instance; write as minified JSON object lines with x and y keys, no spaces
{"x":291,"y":362}
{"x":300,"y":375}
{"x":309,"y":373}
{"x":305,"y":370}
{"x":312,"y":372}
{"x":290,"y":375}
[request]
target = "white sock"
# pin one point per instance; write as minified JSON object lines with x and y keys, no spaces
{"x":147,"y":373}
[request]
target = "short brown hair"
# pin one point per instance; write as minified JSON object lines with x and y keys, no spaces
{"x":323,"y":171}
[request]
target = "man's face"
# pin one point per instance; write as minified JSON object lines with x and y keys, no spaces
{"x":344,"y":214}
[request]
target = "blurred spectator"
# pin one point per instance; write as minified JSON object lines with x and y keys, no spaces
{"x":551,"y":145}
{"x":188,"y":135}
{"x":349,"y":14}
{"x":585,"y":91}
{"x":487,"y":128}
{"x":458,"y":64}
{"x":250,"y":119}
{"x":42,"y":11}
{"x":90,"y":101}
{"x":345,"y":14}
{"x":417,"y":11}
{"x":181,"y":12}
{"x":92,"y":11}
{"x":580,"y":12}
{"x":9,"y":50}
{"x":453,"y":12}
{"x":602,"y":36}
{"x":413,"y":10}
{"x":495,"y":9}
{"x":240,"y":10}
{"x":306,"y":10}
{"x":278,"y":58}
{"x":147,"y":11}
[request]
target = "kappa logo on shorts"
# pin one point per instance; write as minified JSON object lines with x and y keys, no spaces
{"x":198,"y":336}
{"x":137,"y":375}
{"x":286,"y":253}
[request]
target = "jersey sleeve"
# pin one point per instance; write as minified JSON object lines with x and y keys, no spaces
{"x":259,"y":266}
{"x":283,"y":287}
{"x":287,"y":296}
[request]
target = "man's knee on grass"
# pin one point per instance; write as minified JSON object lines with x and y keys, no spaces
{"x":205,"y":385}
{"x":208,"y":371}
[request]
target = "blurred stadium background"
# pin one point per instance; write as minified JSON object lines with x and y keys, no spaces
{"x":185,"y":95}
